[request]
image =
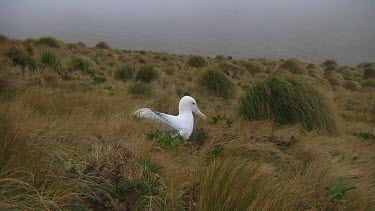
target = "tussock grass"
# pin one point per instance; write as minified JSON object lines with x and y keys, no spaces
{"x":217,"y":83}
{"x":330,"y":62}
{"x":293,"y":65}
{"x":288,"y":100}
{"x":50,"y":59}
{"x":21,"y":58}
{"x":126,"y":72}
{"x":253,"y":67}
{"x":82,"y":63}
{"x":146,"y":74}
{"x":196,"y":61}
{"x":139,"y":88}
{"x":102,"y":45}
{"x":48,"y":41}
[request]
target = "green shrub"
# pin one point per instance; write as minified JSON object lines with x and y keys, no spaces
{"x":329,"y":69}
{"x":217,"y":83}
{"x":82,"y":63}
{"x":288,"y":100}
{"x":102,"y":45}
{"x":369,"y":72}
{"x":311,"y":66}
{"x":139,"y":88}
{"x":20,"y":58}
{"x":346,"y":73}
{"x":146,"y":74}
{"x":50,"y":59}
{"x":196,"y":61}
{"x":293,"y":65}
{"x":48,"y":41}
{"x":126,"y":72}
{"x":253,"y":67}
{"x":99,"y":79}
{"x":330,"y":62}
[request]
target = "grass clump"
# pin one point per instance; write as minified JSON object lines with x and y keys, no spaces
{"x":288,"y":100}
{"x":146,"y":74}
{"x":196,"y":61}
{"x":369,"y":72}
{"x":293,"y":65}
{"x":50,"y":59}
{"x":139,"y":88}
{"x":369,"y":83}
{"x":330,"y":62}
{"x":102,"y":45}
{"x":253,"y":67}
{"x":48,"y":41}
{"x":217,"y":83}
{"x":364,"y":135}
{"x":82,"y":63}
{"x":126,"y":72}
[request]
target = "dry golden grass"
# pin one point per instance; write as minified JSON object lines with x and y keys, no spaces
{"x":68,"y":143}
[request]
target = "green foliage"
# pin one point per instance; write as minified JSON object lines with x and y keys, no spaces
{"x":217,"y":83}
{"x":126,"y":72}
{"x":288,"y":100}
{"x":112,"y":64}
{"x":102,"y":45}
{"x":50,"y":59}
{"x":82,"y":63}
{"x":293,"y":65}
{"x":139,"y":88}
{"x":253,"y":67}
{"x":369,"y":72}
{"x":128,"y":186}
{"x":337,"y":192}
{"x":48,"y":41}
{"x":196,"y":61}
{"x":148,"y":168}
{"x":364,"y":135}
{"x":146,"y":74}
{"x":99,"y":79}
{"x":166,"y":140}
{"x":217,"y":118}
{"x":311,"y":66}
{"x":216,"y":153}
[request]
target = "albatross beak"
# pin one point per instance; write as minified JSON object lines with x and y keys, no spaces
{"x":200,"y":113}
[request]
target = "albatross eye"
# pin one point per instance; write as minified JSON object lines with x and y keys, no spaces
{"x":193,"y":103}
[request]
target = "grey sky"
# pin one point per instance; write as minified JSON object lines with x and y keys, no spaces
{"x":310,"y":30}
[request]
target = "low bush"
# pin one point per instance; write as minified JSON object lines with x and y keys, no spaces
{"x":146,"y":74}
{"x":19,"y":57}
{"x":126,"y":72}
{"x":217,"y":83}
{"x":288,"y":100}
{"x":196,"y":61}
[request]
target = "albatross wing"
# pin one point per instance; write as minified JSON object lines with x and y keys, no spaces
{"x":164,"y":119}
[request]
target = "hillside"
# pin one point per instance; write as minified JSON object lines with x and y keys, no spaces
{"x":285,"y":135}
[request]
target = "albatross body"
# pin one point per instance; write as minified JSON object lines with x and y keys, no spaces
{"x":182,"y":124}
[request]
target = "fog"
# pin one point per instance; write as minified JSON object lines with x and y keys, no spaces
{"x":310,"y":30}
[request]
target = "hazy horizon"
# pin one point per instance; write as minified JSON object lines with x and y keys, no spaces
{"x":314,"y":31}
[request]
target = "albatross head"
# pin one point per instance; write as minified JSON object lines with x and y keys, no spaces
{"x":188,"y":104}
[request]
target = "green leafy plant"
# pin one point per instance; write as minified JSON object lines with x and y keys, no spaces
{"x":216,"y":153}
{"x":99,"y":79}
{"x":196,"y":61}
{"x":118,"y":190}
{"x":148,"y":168}
{"x":165,"y":139}
{"x":369,"y":72}
{"x":217,"y":118}
{"x":364,"y":135}
{"x":337,"y":192}
{"x":19,"y":57}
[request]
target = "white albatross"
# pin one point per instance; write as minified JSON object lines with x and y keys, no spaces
{"x":182,"y":124}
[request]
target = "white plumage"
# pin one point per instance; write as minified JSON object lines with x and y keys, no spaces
{"x":181,"y":124}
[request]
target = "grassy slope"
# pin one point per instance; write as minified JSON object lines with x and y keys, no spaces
{"x":68,"y":139}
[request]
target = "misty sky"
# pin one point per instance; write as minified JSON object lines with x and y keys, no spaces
{"x":313,"y":30}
